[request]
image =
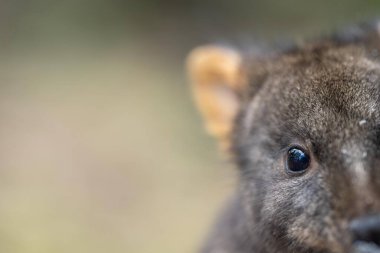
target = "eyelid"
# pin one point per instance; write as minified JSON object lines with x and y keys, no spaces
{"x":286,"y":147}
{"x":297,"y":145}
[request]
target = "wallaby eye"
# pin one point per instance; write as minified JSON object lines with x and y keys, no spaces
{"x":297,"y":161}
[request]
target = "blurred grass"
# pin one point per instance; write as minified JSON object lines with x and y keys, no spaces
{"x":99,"y":154}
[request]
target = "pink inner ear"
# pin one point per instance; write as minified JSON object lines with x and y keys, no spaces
{"x":219,"y":105}
{"x":227,"y":100}
{"x":216,"y":77}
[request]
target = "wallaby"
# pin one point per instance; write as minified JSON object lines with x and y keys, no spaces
{"x":302,"y":125}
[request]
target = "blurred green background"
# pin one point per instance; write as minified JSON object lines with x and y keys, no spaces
{"x":101,"y":149}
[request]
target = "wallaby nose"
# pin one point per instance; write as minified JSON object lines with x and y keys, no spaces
{"x":366,"y":231}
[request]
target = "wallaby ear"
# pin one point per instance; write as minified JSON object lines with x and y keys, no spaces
{"x":217,"y":79}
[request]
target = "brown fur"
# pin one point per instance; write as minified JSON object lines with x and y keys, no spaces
{"x":323,"y":96}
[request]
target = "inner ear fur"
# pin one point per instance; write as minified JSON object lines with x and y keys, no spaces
{"x":217,"y":80}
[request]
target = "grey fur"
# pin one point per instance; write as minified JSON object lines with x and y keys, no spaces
{"x":325,"y":96}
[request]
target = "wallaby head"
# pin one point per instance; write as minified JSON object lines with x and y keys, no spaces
{"x":303,"y":127}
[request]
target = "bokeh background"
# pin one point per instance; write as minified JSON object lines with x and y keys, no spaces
{"x":101,"y":149}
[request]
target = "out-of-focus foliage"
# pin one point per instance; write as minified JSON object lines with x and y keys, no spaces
{"x":101,"y":149}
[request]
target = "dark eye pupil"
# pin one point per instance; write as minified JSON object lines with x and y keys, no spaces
{"x":298,"y":160}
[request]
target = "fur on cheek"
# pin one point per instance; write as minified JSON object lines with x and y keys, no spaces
{"x":287,"y":205}
{"x":322,"y":233}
